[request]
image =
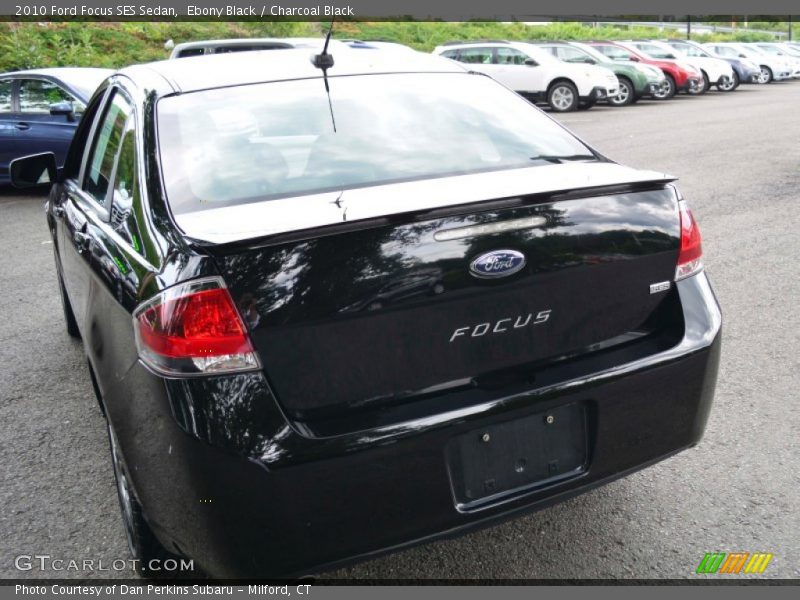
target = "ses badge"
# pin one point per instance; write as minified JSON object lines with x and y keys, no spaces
{"x":496,"y":264}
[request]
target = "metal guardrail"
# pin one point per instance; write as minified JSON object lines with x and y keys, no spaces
{"x":696,"y":26}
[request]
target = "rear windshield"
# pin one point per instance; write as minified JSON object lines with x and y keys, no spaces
{"x":260,"y":142}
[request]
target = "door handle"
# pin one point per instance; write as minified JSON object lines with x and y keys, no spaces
{"x":22,"y":126}
{"x":81,"y":240}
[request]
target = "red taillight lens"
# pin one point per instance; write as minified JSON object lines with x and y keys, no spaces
{"x":690,"y":257}
{"x":193,"y":329}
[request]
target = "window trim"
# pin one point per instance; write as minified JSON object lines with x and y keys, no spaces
{"x":127,"y":130}
{"x":103,"y":210}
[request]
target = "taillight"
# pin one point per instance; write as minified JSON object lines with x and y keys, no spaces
{"x":193,"y":329}
{"x":690,"y":257}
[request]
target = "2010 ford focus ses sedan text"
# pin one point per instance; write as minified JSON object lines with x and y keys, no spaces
{"x":335,"y":310}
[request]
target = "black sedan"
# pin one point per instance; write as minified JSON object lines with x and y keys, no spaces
{"x":40,"y":109}
{"x":218,"y":217}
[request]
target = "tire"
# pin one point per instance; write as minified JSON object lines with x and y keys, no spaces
{"x":69,"y":316}
{"x":142,"y":542}
{"x":562,"y":97}
{"x":668,"y":88}
{"x":627,"y":94}
{"x":698,"y":91}
{"x":766,"y":75}
{"x":727,"y":84}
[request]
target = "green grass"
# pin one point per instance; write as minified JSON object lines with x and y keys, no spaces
{"x":100,"y":44}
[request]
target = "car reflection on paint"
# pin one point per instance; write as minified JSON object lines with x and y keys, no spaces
{"x":424,"y":282}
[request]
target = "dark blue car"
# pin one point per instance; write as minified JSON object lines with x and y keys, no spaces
{"x":40,"y":109}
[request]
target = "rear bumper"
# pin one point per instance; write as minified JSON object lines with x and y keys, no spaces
{"x":226,"y":480}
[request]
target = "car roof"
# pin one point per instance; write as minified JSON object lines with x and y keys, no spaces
{"x":230,"y":69}
{"x":248,"y":42}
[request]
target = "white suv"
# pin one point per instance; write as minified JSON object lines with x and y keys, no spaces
{"x":536,"y":74}
{"x":773,"y":68}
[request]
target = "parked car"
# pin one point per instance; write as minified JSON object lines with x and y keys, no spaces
{"x":376,"y":45}
{"x":789,"y":48}
{"x":215,"y":215}
{"x":679,"y":76}
{"x":536,"y":74}
{"x":789,"y":57}
{"x":205,"y":47}
{"x":714,"y":70}
{"x":773,"y":68}
{"x":40,"y":109}
{"x":635,"y":80}
{"x":744,"y":70}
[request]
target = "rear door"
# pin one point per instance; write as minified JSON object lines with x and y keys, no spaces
{"x":37,"y":129}
{"x":513,"y":72}
{"x":88,"y":200}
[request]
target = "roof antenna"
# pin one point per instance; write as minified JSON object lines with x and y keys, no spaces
{"x":324,"y":61}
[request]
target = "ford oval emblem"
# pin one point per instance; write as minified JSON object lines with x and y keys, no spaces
{"x":498,"y":263}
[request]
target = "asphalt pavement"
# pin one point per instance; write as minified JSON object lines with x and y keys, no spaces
{"x":738,"y":159}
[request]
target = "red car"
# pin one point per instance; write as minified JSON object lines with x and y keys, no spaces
{"x":680,"y":76}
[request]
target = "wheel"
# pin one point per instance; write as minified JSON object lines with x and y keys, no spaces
{"x":626,"y":93}
{"x":667,"y":89}
{"x":142,"y":542}
{"x":766,"y":75}
{"x":562,"y":97}
{"x":700,"y":89}
{"x":728,"y":84}
{"x":69,"y":316}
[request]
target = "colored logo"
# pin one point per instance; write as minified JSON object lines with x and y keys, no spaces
{"x":500,"y":263}
{"x":734,"y":562}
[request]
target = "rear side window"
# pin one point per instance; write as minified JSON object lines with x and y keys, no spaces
{"x":191,"y":52}
{"x":692,"y":51}
{"x":655,"y":51}
{"x":258,"y":142}
{"x":105,"y":145}
{"x":245,"y":48}
{"x":5,"y":96}
{"x":725,"y":51}
{"x":510,"y":56}
{"x":568,"y":54}
{"x":36,"y":96}
{"x":614,"y":52}
{"x":476,"y":56}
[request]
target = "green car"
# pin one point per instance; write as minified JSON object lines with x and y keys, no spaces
{"x":635,"y":80}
